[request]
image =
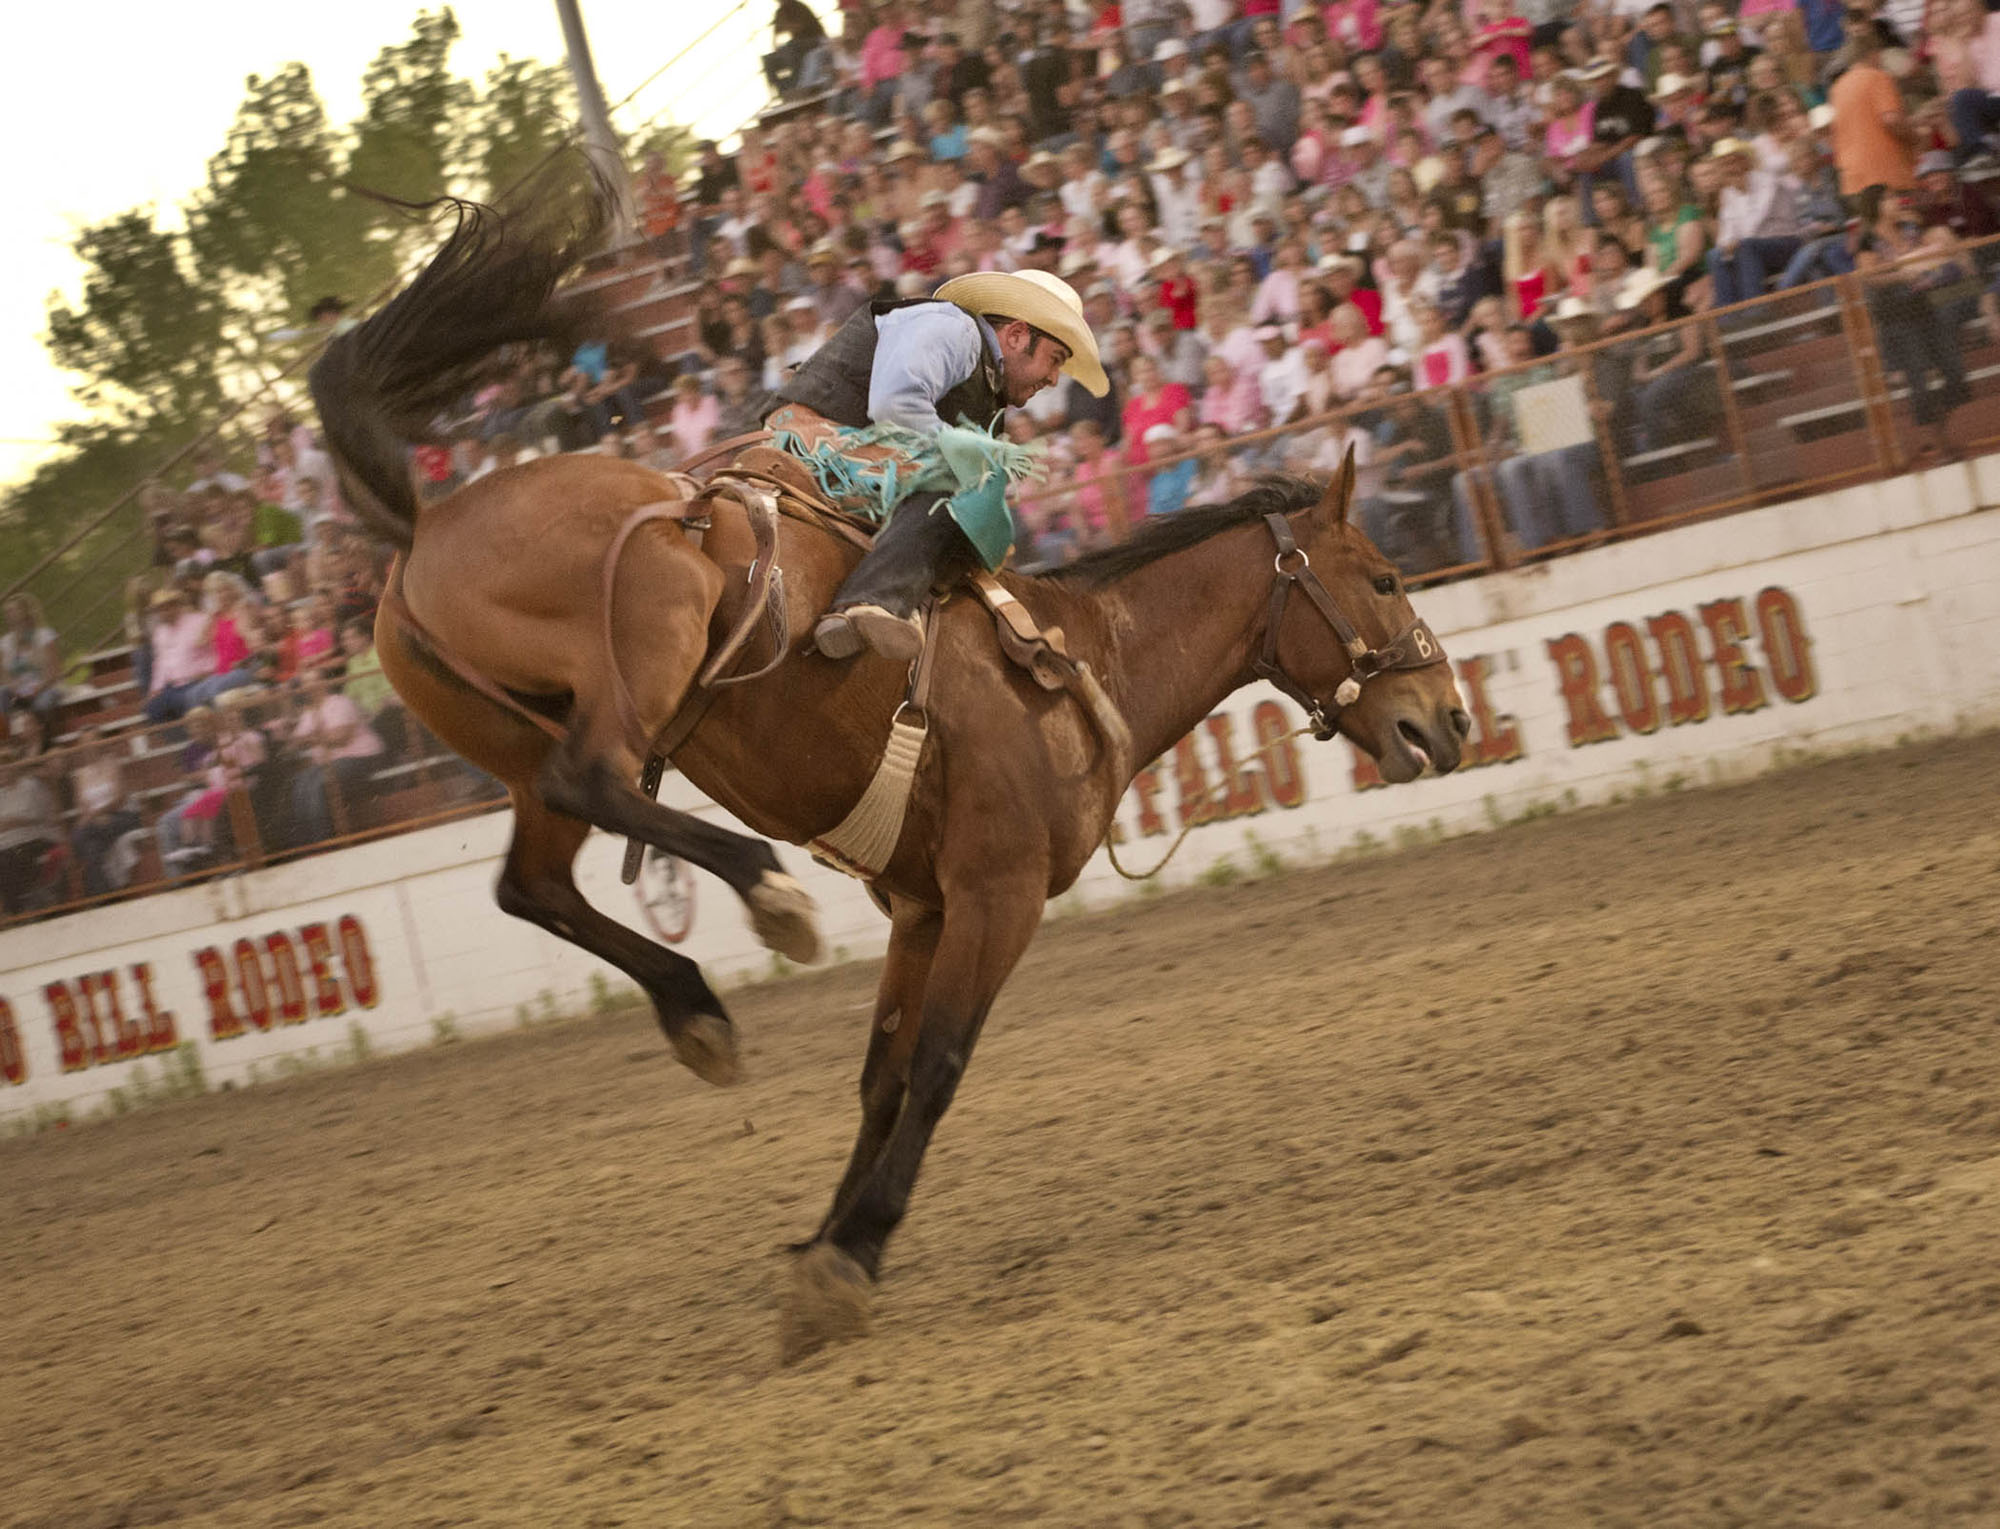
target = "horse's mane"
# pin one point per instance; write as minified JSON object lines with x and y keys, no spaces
{"x":1166,"y":534}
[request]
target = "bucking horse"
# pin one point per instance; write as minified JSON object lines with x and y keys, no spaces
{"x":560,"y":621}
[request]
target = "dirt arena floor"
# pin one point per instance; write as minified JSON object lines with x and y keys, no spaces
{"x":1636,"y":1167}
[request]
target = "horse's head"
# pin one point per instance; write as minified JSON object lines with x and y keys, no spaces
{"x":1395,"y":698}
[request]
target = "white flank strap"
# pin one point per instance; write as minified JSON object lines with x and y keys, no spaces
{"x":866,"y":839}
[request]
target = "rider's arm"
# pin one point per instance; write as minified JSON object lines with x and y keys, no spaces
{"x":921,"y":354}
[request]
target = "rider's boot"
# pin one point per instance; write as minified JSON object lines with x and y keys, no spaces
{"x":920,"y":548}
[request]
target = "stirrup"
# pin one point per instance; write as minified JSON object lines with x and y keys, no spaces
{"x":844,"y":633}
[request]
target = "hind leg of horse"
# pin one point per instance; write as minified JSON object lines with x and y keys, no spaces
{"x":579,"y":783}
{"x":537,"y":885}
{"x":979,"y":941}
{"x":661,"y":640}
{"x":906,"y":969}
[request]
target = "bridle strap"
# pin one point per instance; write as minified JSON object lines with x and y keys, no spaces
{"x":1415,"y":647}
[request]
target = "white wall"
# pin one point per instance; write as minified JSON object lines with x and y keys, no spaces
{"x":1885,"y":622}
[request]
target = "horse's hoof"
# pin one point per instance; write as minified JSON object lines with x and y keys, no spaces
{"x":706,"y":1046}
{"x":827,"y":1303}
{"x":785,"y":917}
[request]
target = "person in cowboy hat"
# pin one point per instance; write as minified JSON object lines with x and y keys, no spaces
{"x":898,"y":418}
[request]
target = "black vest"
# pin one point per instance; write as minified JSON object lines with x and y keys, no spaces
{"x":834,"y":380}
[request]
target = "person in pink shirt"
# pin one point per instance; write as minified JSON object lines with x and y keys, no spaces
{"x":1571,"y":120}
{"x":1230,"y":399}
{"x":1089,"y":510}
{"x":1359,"y":355}
{"x":1355,"y":23}
{"x":694,"y":418}
{"x":1372,"y":80}
{"x":183,"y":655}
{"x":1444,"y":358}
{"x":239,"y":751}
{"x":343,"y":749}
{"x":883,"y":63}
{"x":1497,"y":32}
{"x":233,"y":664}
{"x":308,"y":646}
{"x":1154,"y":401}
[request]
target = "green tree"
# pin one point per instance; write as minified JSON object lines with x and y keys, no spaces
{"x":146,"y":336}
{"x":523,"y":115}
{"x":406,"y":141}
{"x":274,"y":226}
{"x":170,"y":327}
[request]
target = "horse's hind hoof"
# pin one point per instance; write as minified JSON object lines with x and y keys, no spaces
{"x":706,"y":1046}
{"x":827,"y":1303}
{"x":785,"y":917}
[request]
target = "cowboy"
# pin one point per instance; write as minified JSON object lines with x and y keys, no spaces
{"x":898,"y":417}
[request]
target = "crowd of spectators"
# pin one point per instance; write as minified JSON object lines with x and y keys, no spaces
{"x":253,"y":666}
{"x":1273,"y":210}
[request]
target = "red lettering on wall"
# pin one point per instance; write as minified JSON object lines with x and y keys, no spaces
{"x":1787,"y":650}
{"x":72,"y":1049}
{"x":1284,"y":772}
{"x":98,"y":995}
{"x":359,"y":961}
{"x":285,"y":975}
{"x":1366,"y":776}
{"x":1680,"y":668}
{"x":223,"y":1023}
{"x":161,"y":1034}
{"x":250,"y":984}
{"x":1241,"y":797}
{"x":13,"y":1059}
{"x":125,"y":1037}
{"x":1631,"y":677}
{"x":1738,"y":684}
{"x":1576,"y":672}
{"x":326,"y":997}
{"x":1198,"y":802}
{"x":1496,"y":738}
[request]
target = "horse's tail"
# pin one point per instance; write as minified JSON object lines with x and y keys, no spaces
{"x":383,"y":384}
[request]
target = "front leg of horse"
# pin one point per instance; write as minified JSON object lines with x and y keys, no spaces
{"x":892,"y":1035}
{"x":829,"y":1297}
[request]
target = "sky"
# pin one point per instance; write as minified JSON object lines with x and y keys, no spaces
{"x":128,"y":101}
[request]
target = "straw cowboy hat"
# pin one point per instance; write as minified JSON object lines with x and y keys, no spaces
{"x":1046,"y":302}
{"x":1672,"y":85}
{"x":1639,"y":286}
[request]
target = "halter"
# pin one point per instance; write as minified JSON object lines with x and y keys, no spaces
{"x":1415,"y":647}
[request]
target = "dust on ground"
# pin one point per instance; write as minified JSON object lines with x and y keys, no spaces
{"x":1638,"y":1167}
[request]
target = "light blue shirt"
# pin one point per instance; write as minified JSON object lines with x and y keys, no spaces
{"x":921,"y":354}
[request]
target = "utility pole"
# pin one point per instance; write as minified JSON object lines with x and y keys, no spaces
{"x":600,"y":141}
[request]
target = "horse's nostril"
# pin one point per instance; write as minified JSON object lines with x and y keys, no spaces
{"x":1461,"y":722}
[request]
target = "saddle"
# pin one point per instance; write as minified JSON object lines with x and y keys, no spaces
{"x":769,"y":483}
{"x":1042,"y":653}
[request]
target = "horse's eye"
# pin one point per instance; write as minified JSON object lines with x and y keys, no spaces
{"x":1386,"y":585}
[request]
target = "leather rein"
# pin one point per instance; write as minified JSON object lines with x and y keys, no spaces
{"x":1415,"y":647}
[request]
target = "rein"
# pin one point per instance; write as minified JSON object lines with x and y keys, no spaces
{"x":1415,"y":647}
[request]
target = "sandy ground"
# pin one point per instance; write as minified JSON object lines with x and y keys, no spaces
{"x":1638,"y":1167}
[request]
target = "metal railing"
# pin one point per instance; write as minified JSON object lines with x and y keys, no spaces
{"x":1849,"y":379}
{"x":251,"y":779}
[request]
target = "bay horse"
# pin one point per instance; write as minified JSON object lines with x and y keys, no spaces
{"x":507,"y":578}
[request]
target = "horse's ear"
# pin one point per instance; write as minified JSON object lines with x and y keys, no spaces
{"x":1338,"y":499}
